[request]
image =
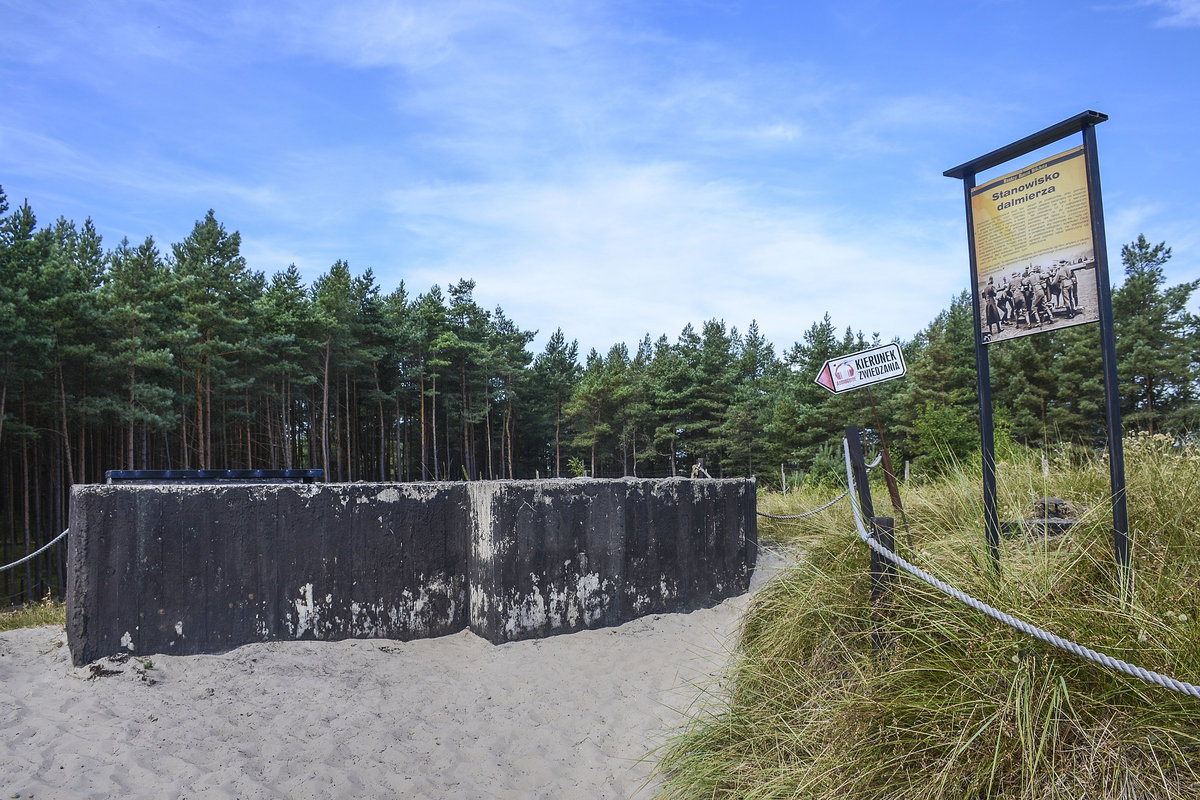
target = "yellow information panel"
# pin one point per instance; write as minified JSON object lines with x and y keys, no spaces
{"x":1033,"y":249}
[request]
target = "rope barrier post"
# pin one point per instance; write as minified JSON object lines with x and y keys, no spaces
{"x":1149,"y":676}
{"x":859,"y":466}
{"x":883,"y":572}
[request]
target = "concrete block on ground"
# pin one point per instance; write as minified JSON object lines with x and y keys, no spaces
{"x":203,"y":569}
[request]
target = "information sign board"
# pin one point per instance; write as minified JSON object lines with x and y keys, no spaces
{"x":1035,"y":261}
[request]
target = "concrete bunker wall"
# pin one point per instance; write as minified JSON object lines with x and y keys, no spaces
{"x":203,"y":569}
{"x":552,"y":557}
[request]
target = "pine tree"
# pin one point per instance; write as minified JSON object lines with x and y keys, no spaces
{"x":138,"y":300}
{"x":556,"y":372}
{"x":1156,"y":339}
{"x":286,"y":330}
{"x":217,"y":292}
{"x":713,"y":382}
{"x":462,"y":343}
{"x":743,"y":429}
{"x":1077,"y":413}
{"x":591,"y":409}
{"x":668,"y":384}
{"x":333,"y":309}
{"x":941,"y":394}
{"x":429,"y":323}
{"x":510,"y":359}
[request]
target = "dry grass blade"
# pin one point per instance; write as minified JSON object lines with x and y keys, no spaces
{"x":923,"y":698}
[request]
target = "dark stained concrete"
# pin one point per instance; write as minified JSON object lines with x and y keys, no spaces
{"x":202,"y":569}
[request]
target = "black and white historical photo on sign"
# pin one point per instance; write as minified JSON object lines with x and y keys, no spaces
{"x":1056,"y":293}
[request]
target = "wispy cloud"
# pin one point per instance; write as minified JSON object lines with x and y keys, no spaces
{"x":618,"y":158}
{"x":1178,"y":13}
{"x":632,"y":249}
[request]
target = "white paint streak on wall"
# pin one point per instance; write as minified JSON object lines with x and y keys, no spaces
{"x":592,"y":594}
{"x":305,"y":612}
{"x":482,"y":498}
{"x":585,"y":602}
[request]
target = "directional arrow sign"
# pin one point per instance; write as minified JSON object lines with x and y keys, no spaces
{"x":863,"y":368}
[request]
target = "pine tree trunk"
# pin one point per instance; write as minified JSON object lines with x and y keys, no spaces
{"x":433,"y":427}
{"x":285,"y":434}
{"x":66,"y":434}
{"x":132,"y":412}
{"x":557,"y":434}
{"x":510,"y":429}
{"x":208,"y":440}
{"x":383,"y":440}
{"x":40,"y":588}
{"x":25,"y":509}
{"x":325,"y":409}
{"x":424,"y":443}
{"x":633,"y":447}
{"x":446,"y":427}
{"x":487,"y":421}
{"x":401,"y":444}
{"x":249,"y":418}
{"x":468,"y":461}
{"x":183,"y":427}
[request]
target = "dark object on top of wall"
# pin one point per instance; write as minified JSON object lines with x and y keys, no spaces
{"x":203,"y":476}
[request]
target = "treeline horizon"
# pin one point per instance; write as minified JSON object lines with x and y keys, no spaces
{"x":140,"y":357}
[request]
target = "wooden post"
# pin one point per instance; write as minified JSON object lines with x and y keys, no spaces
{"x":883,"y":530}
{"x":859,"y":467}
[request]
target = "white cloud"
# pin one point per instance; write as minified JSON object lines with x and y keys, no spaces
{"x":631,"y":249}
{"x":1179,"y":13}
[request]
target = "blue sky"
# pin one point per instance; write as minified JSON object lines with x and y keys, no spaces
{"x":614,"y":168}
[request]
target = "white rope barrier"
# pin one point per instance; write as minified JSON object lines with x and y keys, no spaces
{"x":1146,"y":675}
{"x":36,"y":553}
{"x":870,"y":467}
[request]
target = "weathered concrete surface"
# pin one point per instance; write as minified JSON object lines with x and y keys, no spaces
{"x":202,"y":569}
{"x":190,"y":569}
{"x":559,"y":556}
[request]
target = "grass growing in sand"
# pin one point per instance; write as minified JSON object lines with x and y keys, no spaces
{"x":33,"y":615}
{"x":956,"y":705}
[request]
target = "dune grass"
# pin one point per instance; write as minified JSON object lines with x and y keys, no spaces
{"x":33,"y":615}
{"x":921,"y":697}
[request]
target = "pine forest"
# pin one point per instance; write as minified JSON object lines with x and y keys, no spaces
{"x":146,"y":356}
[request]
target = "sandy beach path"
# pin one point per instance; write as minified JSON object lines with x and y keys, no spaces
{"x":570,"y":716}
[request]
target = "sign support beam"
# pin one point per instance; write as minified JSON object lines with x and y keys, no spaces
{"x":1081,"y":123}
{"x":1108,"y":359}
{"x":983,"y":378}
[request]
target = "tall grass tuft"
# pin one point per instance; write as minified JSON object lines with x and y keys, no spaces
{"x":33,"y":615}
{"x":921,"y":697}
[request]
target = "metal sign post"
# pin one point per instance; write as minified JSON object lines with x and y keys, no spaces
{"x":1051,"y":188}
{"x":867,"y":368}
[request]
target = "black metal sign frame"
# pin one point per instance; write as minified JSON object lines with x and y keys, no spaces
{"x":1085,"y":124}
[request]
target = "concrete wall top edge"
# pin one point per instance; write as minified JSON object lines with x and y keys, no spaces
{"x":311,"y":488}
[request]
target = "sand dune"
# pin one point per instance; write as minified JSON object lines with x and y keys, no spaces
{"x":573,"y":716}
